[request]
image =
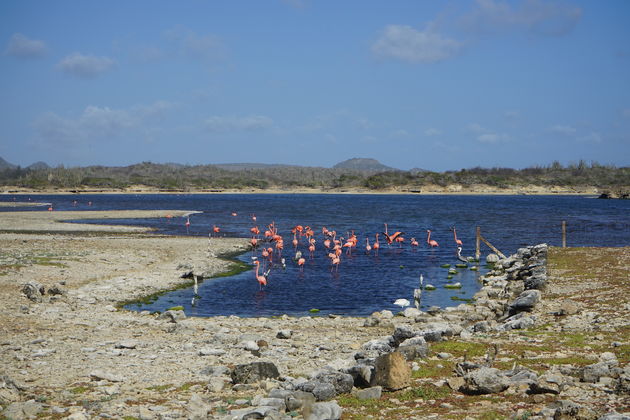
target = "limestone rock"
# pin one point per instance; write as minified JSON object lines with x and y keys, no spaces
{"x":342,"y":382}
{"x":525,"y":301}
{"x":323,"y":391}
{"x":173,"y":316}
{"x":284,"y":334}
{"x":492,"y":258}
{"x":324,"y":411}
{"x":33,"y":291}
{"x":391,"y":371}
{"x":107,"y":376}
{"x":485,"y":381}
{"x":22,"y":410}
{"x":253,"y":372}
{"x":373,"y":393}
{"x":413,"y":348}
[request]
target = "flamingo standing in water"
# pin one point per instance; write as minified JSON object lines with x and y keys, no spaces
{"x":262,"y":280}
{"x":414,"y":243}
{"x":216,"y":230}
{"x":377,"y":245}
{"x":187,"y":223}
{"x":457,"y":241}
{"x":368,"y":248}
{"x":295,"y":241}
{"x":300,"y":263}
{"x":432,"y":242}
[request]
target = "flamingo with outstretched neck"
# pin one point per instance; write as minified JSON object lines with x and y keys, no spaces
{"x":457,"y":241}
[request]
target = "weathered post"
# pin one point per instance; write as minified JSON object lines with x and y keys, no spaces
{"x":564,"y":234}
{"x":478,"y":249}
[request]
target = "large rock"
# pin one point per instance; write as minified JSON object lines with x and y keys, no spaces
{"x":323,"y":411}
{"x":362,"y":375}
{"x":342,"y":382}
{"x":492,"y":258}
{"x":22,"y":410}
{"x":253,"y":372}
{"x":197,"y":409}
{"x":34,"y":291}
{"x":173,"y":316}
{"x":373,"y":393}
{"x":402,"y":333}
{"x":100,"y":375}
{"x":323,"y":391}
{"x":378,"y":346}
{"x":391,"y":371}
{"x":485,"y":381}
{"x":525,"y":301}
{"x":413,"y":348}
{"x":592,"y":373}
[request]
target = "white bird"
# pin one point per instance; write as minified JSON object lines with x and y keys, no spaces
{"x":402,"y":302}
{"x":417,"y":293}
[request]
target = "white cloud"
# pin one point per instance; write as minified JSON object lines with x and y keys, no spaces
{"x":488,"y":138}
{"x":85,"y":66}
{"x":431,"y":132}
{"x":21,"y":46}
{"x":550,"y":18}
{"x":592,"y":137}
{"x":201,"y":47}
{"x":399,"y":133}
{"x":563,"y":129}
{"x":475,"y":128}
{"x":228,"y":123}
{"x":96,"y":124}
{"x":405,"y":43}
{"x":485,"y":135}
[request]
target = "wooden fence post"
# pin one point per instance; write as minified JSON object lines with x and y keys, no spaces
{"x":478,"y":243}
{"x":564,"y":234}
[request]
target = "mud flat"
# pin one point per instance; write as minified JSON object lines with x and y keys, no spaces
{"x":73,"y":353}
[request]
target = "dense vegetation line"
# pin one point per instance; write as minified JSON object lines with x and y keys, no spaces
{"x":189,"y":177}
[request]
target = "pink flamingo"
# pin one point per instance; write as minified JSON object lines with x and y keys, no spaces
{"x":262,"y":280}
{"x":377,"y":245}
{"x":300,"y":263}
{"x":457,"y":241}
{"x":335,"y":263}
{"x":216,"y":230}
{"x":311,"y":247}
{"x":432,"y":243}
{"x":295,"y":241}
{"x":368,"y":248}
{"x":414,"y":243}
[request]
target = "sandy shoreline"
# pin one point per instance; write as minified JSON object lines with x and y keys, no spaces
{"x":75,"y":355}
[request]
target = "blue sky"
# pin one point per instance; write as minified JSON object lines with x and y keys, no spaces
{"x":435,"y":85}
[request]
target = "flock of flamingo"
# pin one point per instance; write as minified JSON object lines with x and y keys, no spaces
{"x":267,"y":246}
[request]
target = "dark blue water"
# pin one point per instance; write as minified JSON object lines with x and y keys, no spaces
{"x":364,"y":283}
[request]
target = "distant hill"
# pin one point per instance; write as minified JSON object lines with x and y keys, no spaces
{"x":6,"y":165}
{"x":418,"y":171}
{"x":38,"y":165}
{"x":363,"y":164}
{"x":248,"y":166}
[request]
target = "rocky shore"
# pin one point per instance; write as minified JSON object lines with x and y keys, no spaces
{"x":547,"y":337}
{"x":454,"y":189}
